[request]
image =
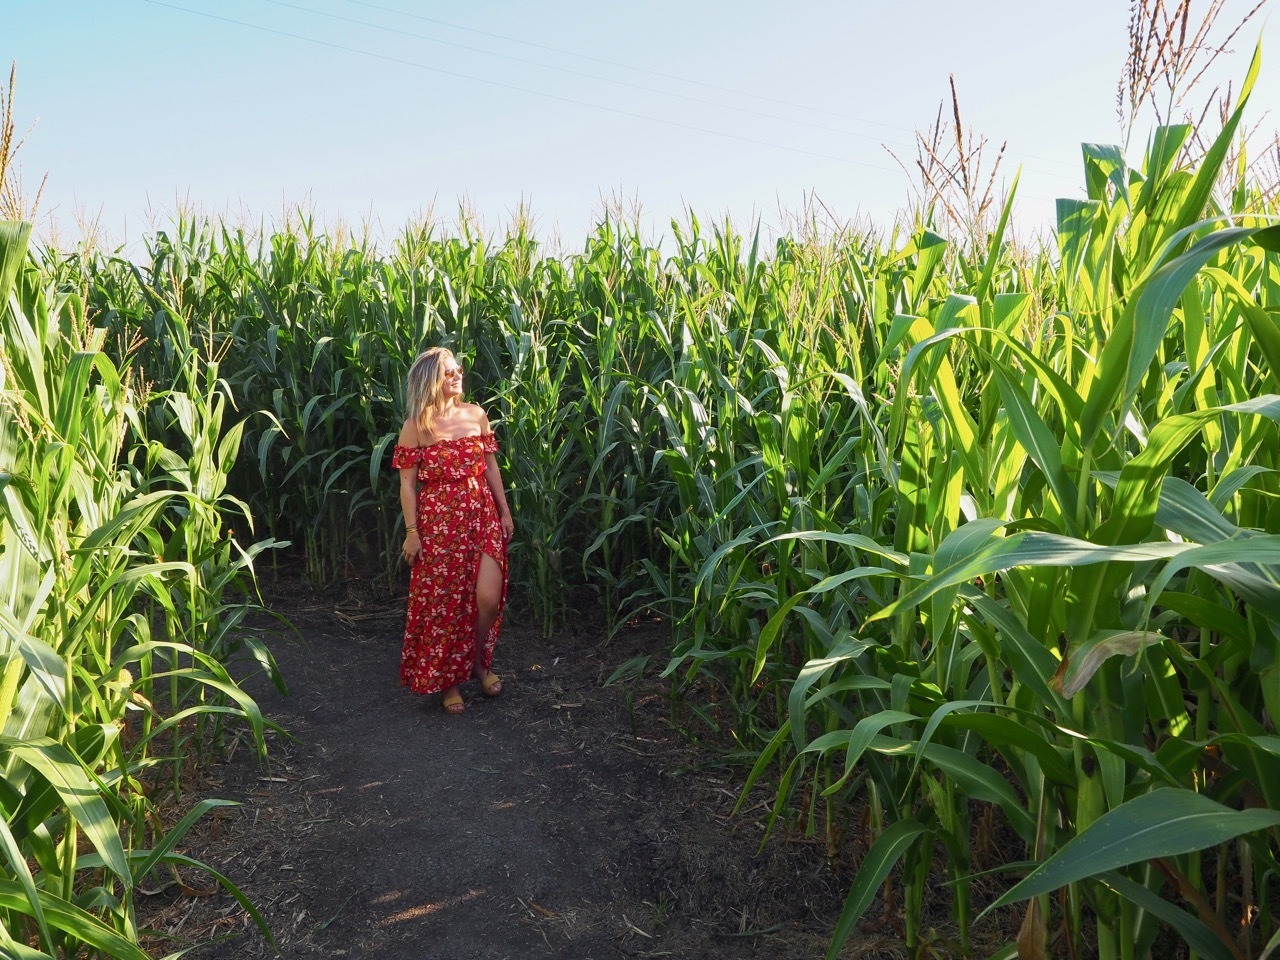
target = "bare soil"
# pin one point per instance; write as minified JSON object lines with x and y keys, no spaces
{"x":563,"y":819}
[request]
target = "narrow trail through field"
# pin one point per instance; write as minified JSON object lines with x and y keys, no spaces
{"x":536,"y":825}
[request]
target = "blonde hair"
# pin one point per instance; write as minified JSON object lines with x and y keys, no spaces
{"x":424,"y":395}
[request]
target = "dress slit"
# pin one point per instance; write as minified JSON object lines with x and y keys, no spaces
{"x":484,"y":656}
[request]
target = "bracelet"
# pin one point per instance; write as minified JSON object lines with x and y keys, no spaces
{"x":409,"y":530}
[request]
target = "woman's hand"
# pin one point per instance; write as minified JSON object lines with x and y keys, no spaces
{"x":412,"y":548}
{"x":508,"y":526}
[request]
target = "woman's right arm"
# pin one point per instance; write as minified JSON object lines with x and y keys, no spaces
{"x":412,"y":548}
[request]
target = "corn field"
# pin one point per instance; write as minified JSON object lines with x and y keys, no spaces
{"x":124,"y":604}
{"x":973,"y":552}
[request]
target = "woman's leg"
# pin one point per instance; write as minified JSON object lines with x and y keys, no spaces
{"x":488,"y":603}
{"x":488,"y":595}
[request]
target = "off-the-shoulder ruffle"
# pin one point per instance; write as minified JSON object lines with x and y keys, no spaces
{"x":409,"y":456}
{"x":405,"y":456}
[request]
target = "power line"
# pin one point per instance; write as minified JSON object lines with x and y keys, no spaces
{"x":582,"y":73}
{"x":528,"y":90}
{"x":604,"y":79}
{"x":657,"y":73}
{"x":522,"y":90}
{"x":625,"y":66}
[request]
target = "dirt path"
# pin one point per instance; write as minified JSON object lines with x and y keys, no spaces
{"x":537,"y":825}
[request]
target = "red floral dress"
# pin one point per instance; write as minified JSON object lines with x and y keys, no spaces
{"x":457,"y":522}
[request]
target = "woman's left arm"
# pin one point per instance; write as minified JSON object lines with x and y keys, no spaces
{"x":493,"y":476}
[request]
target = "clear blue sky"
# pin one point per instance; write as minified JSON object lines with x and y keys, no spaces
{"x":738,"y":107}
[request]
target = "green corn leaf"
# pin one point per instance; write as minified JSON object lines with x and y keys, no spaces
{"x":996,"y":240}
{"x":14,"y":236}
{"x":1141,"y":479}
{"x":1230,"y":484}
{"x":73,"y":920}
{"x":1262,"y":325}
{"x":1029,"y":657}
{"x":1162,"y":823}
{"x":176,"y":833}
{"x":856,"y":741}
{"x":1189,"y":513}
{"x":1075,"y":219}
{"x":18,"y":867}
{"x":854,"y":540}
{"x":1198,"y":936}
{"x":1105,"y":165}
{"x":884,"y":854}
{"x":1210,"y":165}
{"x":1207,"y":613}
{"x":1133,"y":342}
{"x":65,"y":774}
{"x":1031,"y":549}
{"x":977,"y":780}
{"x":770,"y":633}
{"x":811,"y":673}
{"x":1017,"y":736}
{"x":1272,"y":947}
{"x":1037,"y":440}
{"x":1251,"y":565}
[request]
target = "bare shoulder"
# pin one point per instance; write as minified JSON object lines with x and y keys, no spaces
{"x":476,"y":413}
{"x":410,"y":435}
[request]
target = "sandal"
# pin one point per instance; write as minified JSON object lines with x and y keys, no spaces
{"x":491,"y":684}
{"x":453,"y":704}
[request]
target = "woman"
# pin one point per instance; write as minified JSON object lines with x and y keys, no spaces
{"x":457,"y":525}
